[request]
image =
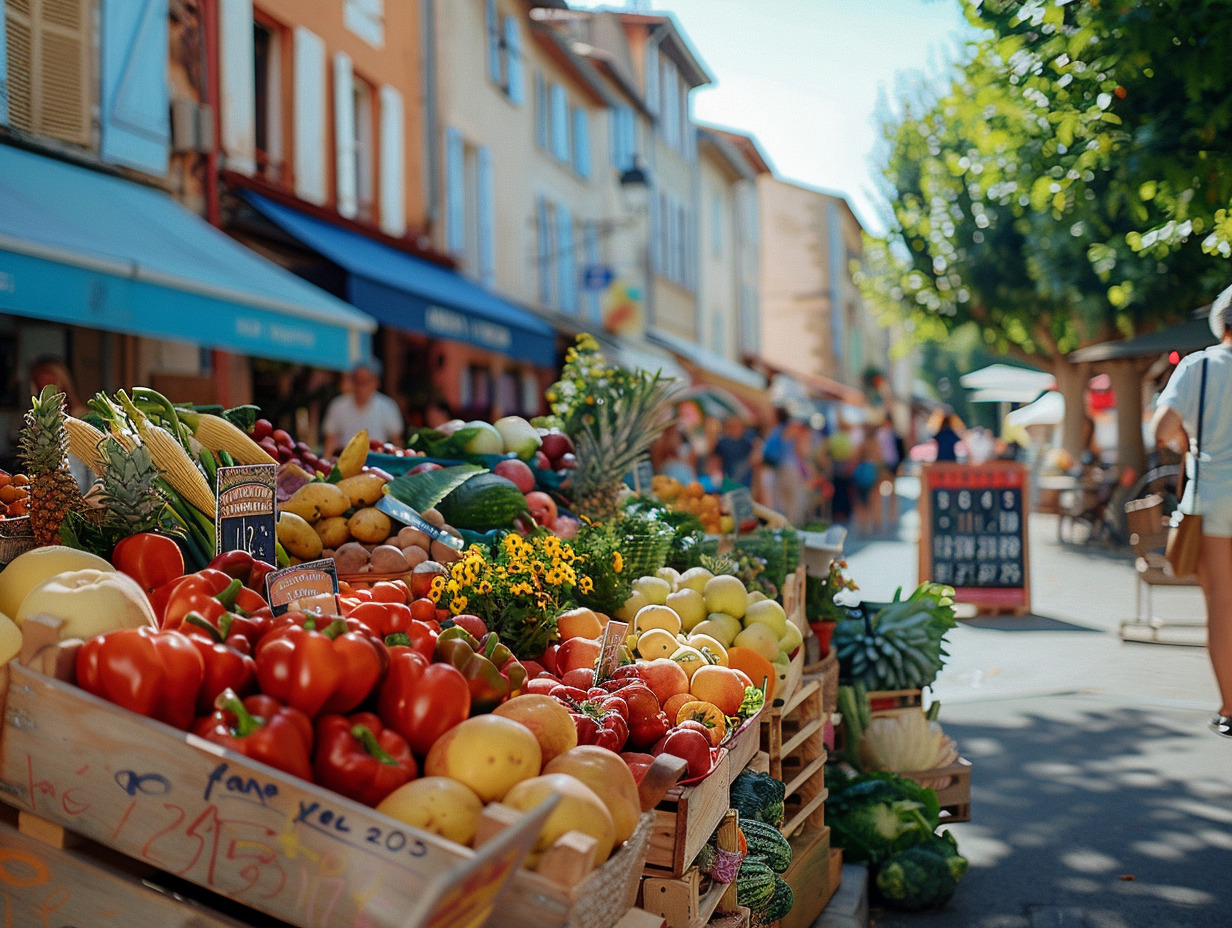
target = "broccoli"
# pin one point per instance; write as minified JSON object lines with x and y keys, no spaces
{"x":923,"y":876}
{"x":874,"y":816}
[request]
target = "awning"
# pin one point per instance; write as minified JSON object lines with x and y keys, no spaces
{"x":1007,"y":377}
{"x":80,"y":247}
{"x":1185,"y":337}
{"x":1049,"y":409}
{"x":817,"y":386}
{"x":633,"y":356}
{"x":709,"y":360}
{"x":408,"y":293}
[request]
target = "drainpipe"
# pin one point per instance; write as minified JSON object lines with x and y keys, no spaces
{"x":219,"y":360}
{"x":428,"y":55}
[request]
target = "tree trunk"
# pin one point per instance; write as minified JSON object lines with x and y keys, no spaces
{"x":1072,"y":382}
{"x":1127,"y":385}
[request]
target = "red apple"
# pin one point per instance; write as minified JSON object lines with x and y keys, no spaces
{"x":548,"y":659}
{"x":541,"y":461}
{"x":472,"y":623}
{"x":518,"y":472}
{"x":581,"y":677}
{"x":575,"y":653}
{"x":542,"y":685}
{"x":533,"y":669}
{"x":555,"y":444}
{"x":542,"y":507}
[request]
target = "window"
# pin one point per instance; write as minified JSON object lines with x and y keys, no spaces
{"x":566,"y":263}
{"x":476,"y":391}
{"x":531,"y":392}
{"x":50,"y":69}
{"x":545,"y":249}
{"x":590,"y":237}
{"x":558,"y":123}
{"x":507,"y":393}
{"x":581,"y":141}
{"x":504,"y":51}
{"x":716,"y":224}
{"x":623,"y":138}
{"x":268,"y":101}
{"x":366,"y":18}
{"x":455,"y":192}
{"x":362,"y":97}
{"x":541,"y":111}
{"x":491,"y":26}
{"x":512,"y":51}
{"x":485,"y":199}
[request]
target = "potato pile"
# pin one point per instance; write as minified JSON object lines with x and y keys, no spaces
{"x":340,"y":520}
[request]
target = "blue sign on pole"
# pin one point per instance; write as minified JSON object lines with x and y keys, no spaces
{"x":597,"y":277}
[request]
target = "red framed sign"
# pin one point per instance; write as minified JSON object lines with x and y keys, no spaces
{"x":973,"y":533}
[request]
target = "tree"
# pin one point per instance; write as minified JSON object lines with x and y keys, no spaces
{"x":1004,"y":216}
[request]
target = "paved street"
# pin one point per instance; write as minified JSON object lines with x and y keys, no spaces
{"x":1100,"y":798}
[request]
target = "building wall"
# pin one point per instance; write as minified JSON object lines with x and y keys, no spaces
{"x":719,"y":266}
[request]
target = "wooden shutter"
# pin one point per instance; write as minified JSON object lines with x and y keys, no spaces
{"x":392,"y":168}
{"x":238,"y":85}
{"x":51,"y":68}
{"x":309,"y":84}
{"x":558,"y":123}
{"x":4,"y":73}
{"x":346,"y":187}
{"x":486,"y":196}
{"x":541,"y":111}
{"x":513,"y":60}
{"x":136,"y":105}
{"x":543,"y":250}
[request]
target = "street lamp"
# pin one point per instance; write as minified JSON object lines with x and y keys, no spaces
{"x":635,"y":188}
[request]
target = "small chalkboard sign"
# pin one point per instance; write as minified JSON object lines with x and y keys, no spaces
{"x":740,"y":507}
{"x":973,"y":533}
{"x":245,"y":519}
{"x":308,"y":587}
{"x":640,"y":478}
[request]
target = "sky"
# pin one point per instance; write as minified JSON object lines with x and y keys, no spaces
{"x":808,"y":78}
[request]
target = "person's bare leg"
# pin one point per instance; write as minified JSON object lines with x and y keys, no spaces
{"x":1214,"y":572}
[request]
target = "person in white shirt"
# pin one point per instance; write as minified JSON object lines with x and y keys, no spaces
{"x":363,"y":408}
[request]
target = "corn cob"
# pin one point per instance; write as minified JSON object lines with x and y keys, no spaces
{"x":217,"y":434}
{"x":83,"y":442}
{"x":178,"y":469}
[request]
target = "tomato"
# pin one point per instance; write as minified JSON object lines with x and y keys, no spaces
{"x":647,"y":721}
{"x":542,"y":507}
{"x":692,"y":746}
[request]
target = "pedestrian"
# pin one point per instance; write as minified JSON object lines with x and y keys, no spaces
{"x":50,"y":371}
{"x":735,"y":449}
{"x":364,"y":407}
{"x":1176,"y":426}
{"x":771,"y":452}
{"x":891,"y":446}
{"x":672,"y":455}
{"x":793,"y":475}
{"x":868,"y":464}
{"x":841,"y":453}
{"x":948,"y":436}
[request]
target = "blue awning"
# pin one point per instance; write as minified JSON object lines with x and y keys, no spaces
{"x":409,"y":293}
{"x":84,"y":248}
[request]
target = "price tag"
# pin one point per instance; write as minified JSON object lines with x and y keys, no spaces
{"x":614,"y":634}
{"x":640,"y":478}
{"x":308,"y":587}
{"x":740,"y":505}
{"x":245,"y":519}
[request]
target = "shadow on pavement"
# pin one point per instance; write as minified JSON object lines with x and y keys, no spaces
{"x":1027,"y":623}
{"x":1092,"y":816}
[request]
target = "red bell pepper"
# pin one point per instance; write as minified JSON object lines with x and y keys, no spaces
{"x":421,"y":700}
{"x":490,"y":668}
{"x":359,"y":757}
{"x":261,"y":728}
{"x":316,"y":671}
{"x":603,"y":722}
{"x":209,"y":593}
{"x":242,"y":632}
{"x":420,"y":637}
{"x":155,"y":672}
{"x":228,"y":662}
{"x":151,"y":559}
{"x":383,"y":618}
{"x":244,"y":567}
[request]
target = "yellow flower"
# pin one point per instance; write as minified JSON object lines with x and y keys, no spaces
{"x":586,"y":585}
{"x":438,"y":583}
{"x":457,"y":604}
{"x":485,"y":587}
{"x":434,"y":594}
{"x":554,"y":576}
{"x":521,"y":588}
{"x":618,"y":562}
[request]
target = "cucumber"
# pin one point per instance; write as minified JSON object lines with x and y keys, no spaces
{"x":485,"y":501}
{"x":767,"y":843}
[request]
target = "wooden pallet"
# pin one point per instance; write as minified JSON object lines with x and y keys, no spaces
{"x":809,"y":877}
{"x":826,"y":672}
{"x":691,"y":900}
{"x":953,"y":787}
{"x":793,"y":741}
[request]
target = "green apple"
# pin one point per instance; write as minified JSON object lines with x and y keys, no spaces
{"x":756,"y":596}
{"x":695,"y":578}
{"x":729,"y":623}
{"x":726,"y":593}
{"x":690,"y":605}
{"x":670,"y":574}
{"x":762,"y":639}
{"x":770,"y":613}
{"x":792,"y":639}
{"x":653,"y":615}
{"x":719,"y":631}
{"x":636,"y":601}
{"x":655,"y":589}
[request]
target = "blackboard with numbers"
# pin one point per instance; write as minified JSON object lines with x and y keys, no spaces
{"x":973,"y":533}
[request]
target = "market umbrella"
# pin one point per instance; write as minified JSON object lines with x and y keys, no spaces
{"x":716,"y":402}
{"x":1049,"y":409}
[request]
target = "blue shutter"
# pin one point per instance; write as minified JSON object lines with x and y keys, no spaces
{"x":487,"y":221}
{"x":136,"y":107}
{"x":541,"y":111}
{"x":492,"y":31}
{"x":593,"y":309}
{"x":559,"y":123}
{"x":4,"y":73}
{"x":543,"y":250}
{"x":581,"y":141}
{"x":567,"y":265}
{"x":613,"y":137}
{"x":656,"y":232}
{"x":455,"y":192}
{"x":513,"y":59}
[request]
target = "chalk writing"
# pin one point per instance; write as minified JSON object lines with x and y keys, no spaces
{"x":238,"y":787}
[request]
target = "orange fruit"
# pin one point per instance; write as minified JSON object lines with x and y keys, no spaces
{"x":708,"y":714}
{"x":756,"y":667}
{"x":718,"y":685}
{"x":673,"y":704}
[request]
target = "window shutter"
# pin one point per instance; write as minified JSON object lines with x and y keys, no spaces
{"x":567,"y":265}
{"x":656,"y":231}
{"x":581,"y":141}
{"x":513,"y":58}
{"x":487,"y":219}
{"x":391,"y":167}
{"x":613,"y":137}
{"x":559,"y":124}
{"x":492,"y":31}
{"x":309,"y":84}
{"x":590,"y":233}
{"x":239,"y":106}
{"x":541,"y":111}
{"x":50,"y":69}
{"x":543,"y":250}
{"x":652,"y":77}
{"x":345,"y":186}
{"x":455,"y":192}
{"x":4,"y":73}
{"x":136,"y":106}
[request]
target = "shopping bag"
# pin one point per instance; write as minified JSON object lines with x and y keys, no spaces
{"x":1184,"y":537}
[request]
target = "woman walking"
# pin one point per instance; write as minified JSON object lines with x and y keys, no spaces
{"x":1176,"y":425}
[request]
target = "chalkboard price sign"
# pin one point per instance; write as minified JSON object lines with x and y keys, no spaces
{"x":973,"y":533}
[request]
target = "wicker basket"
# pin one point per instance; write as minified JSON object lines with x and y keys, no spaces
{"x":16,"y":537}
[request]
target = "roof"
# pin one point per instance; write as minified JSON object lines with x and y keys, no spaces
{"x":747,"y":146}
{"x":675,"y":42}
{"x":561,"y":50}
{"x":1185,"y":337}
{"x":727,"y":150}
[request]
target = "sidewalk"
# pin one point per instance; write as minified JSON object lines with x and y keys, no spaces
{"x":1100,"y":799}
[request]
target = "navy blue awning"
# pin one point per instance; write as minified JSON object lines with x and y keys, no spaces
{"x":406,"y":292}
{"x":80,"y":247}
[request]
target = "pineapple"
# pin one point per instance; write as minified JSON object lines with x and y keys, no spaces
{"x":44,"y":451}
{"x":131,"y":496}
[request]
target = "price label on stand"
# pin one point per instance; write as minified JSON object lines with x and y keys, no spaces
{"x":609,"y":649}
{"x":641,"y":477}
{"x":245,"y":519}
{"x":308,"y":587}
{"x":740,"y":505}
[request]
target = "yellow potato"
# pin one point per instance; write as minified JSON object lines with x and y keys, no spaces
{"x":362,"y":489}
{"x":298,"y":537}
{"x":317,"y":500}
{"x":370,"y":526}
{"x":333,"y":531}
{"x":354,"y":455}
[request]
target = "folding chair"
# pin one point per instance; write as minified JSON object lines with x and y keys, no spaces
{"x":1148,"y":536}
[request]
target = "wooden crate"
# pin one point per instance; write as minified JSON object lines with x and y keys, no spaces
{"x":809,"y":877}
{"x":692,"y":900}
{"x":953,"y":786}
{"x":686,"y":818}
{"x":793,"y":740}
{"x":745,"y":742}
{"x":884,"y":700}
{"x":793,"y":600}
{"x":826,"y":672}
